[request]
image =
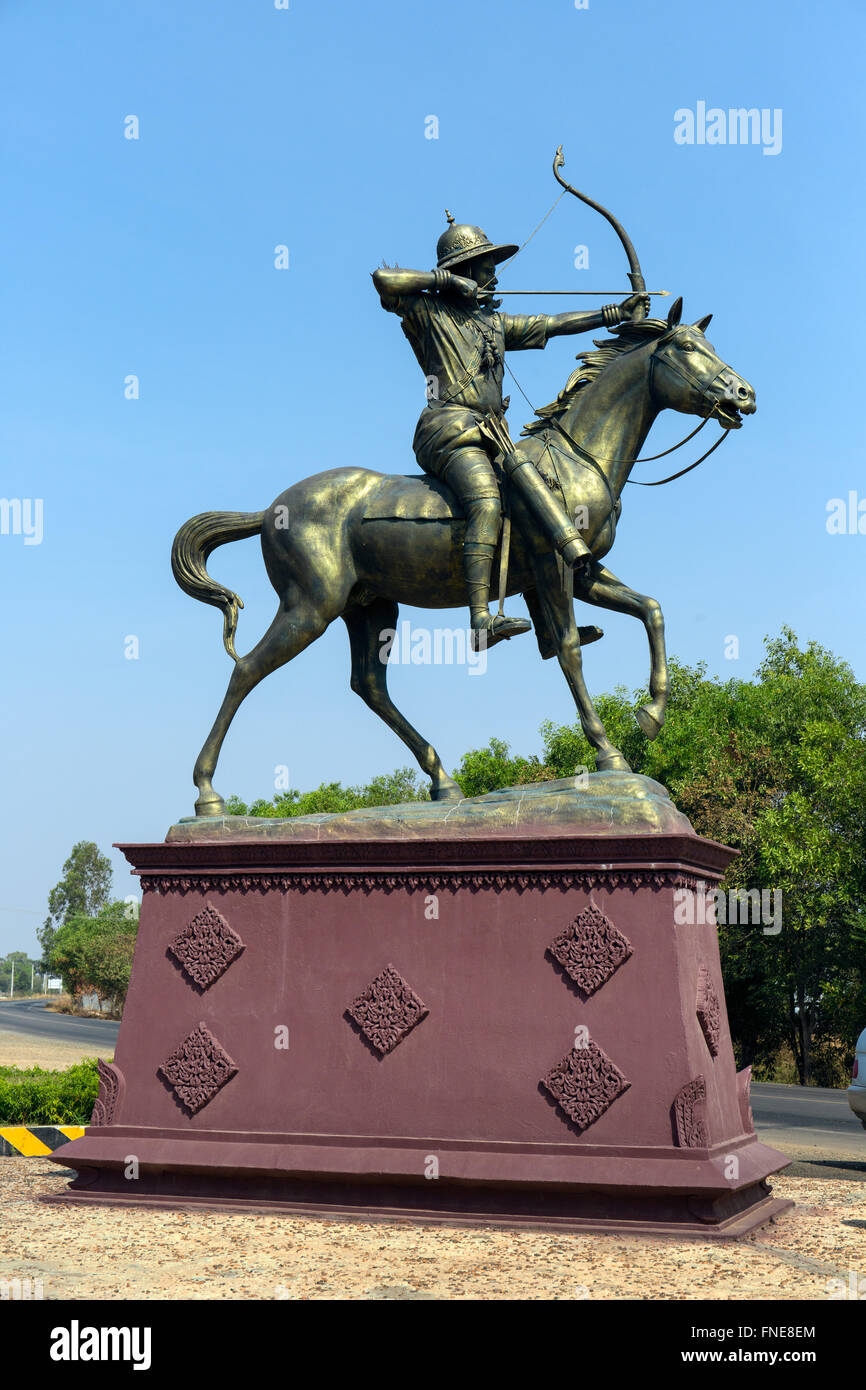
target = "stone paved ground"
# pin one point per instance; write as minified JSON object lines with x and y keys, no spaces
{"x":114,"y":1253}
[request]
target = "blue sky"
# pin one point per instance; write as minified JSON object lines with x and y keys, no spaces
{"x":306,"y":127}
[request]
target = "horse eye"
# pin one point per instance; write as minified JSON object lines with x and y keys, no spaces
{"x":687,"y":347}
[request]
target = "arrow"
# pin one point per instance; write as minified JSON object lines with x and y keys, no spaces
{"x":663,"y":294}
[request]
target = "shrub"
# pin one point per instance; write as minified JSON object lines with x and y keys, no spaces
{"x":35,"y":1096}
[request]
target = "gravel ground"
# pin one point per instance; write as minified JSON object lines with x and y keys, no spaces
{"x":84,"y":1252}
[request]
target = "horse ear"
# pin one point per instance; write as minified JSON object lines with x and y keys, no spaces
{"x":675,"y":312}
{"x":704,"y":323}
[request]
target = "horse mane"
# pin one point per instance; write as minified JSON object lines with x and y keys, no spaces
{"x":629,"y":335}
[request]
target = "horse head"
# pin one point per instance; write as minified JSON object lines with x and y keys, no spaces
{"x":687,"y":375}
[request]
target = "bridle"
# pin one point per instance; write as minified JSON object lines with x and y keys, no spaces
{"x":585,"y":456}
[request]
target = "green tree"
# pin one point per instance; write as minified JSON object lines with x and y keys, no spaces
{"x":84,"y":888}
{"x":487,"y":769}
{"x":95,"y":953}
{"x":333,"y":798}
{"x":15,"y":969}
{"x":776,"y":768}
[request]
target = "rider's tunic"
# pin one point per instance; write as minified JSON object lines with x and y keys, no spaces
{"x":461,"y":352}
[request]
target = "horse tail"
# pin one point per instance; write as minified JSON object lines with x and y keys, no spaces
{"x":193,"y":544}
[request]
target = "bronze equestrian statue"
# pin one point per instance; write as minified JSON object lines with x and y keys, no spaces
{"x":347,"y":543}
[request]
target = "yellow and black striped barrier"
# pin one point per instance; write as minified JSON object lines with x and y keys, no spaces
{"x":31,"y":1141}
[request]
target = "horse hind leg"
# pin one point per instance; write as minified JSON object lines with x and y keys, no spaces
{"x":370,"y":681}
{"x":291,"y":631}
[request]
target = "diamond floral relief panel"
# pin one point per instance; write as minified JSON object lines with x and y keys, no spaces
{"x":590,"y":949}
{"x":197,"y":1069}
{"x":387,"y":1010}
{"x":206,"y":947}
{"x":585,"y":1084}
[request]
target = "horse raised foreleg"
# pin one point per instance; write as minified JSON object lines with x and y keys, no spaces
{"x":603,"y":589}
{"x":370,"y":680}
{"x":559,"y":614}
{"x":291,"y":631}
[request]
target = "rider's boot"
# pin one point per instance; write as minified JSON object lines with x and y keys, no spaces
{"x":477,"y":563}
{"x":547,"y":510}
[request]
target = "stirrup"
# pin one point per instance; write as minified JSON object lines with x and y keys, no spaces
{"x":497,"y":628}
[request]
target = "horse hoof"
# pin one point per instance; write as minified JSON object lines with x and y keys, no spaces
{"x":446,"y":793}
{"x":589,"y":634}
{"x":648,"y":722}
{"x":210,"y":806}
{"x":616,"y":763}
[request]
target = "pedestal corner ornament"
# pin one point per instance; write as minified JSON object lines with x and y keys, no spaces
{"x":690,"y":1114}
{"x":109,"y":1097}
{"x":387,"y":1010}
{"x":709,"y":1010}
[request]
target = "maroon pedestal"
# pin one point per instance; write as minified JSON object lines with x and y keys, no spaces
{"x":510,"y":1027}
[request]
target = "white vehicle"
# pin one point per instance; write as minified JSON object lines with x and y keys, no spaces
{"x":857,"y":1089}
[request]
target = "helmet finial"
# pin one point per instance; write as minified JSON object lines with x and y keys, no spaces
{"x":450,"y":218}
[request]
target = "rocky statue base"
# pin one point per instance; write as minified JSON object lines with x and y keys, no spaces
{"x":495,"y":1011}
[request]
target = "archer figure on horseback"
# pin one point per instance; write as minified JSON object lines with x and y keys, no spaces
{"x":459,"y":340}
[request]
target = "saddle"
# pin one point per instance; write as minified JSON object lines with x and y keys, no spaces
{"x":413,"y":497}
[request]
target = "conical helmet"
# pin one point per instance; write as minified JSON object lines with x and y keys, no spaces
{"x":463,"y":242}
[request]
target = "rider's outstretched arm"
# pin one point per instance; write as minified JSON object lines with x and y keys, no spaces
{"x":607,"y":317}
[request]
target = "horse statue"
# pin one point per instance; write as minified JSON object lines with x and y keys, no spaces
{"x":345,"y":543}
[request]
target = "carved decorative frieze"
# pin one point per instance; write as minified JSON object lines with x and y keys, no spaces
{"x":197,"y":1069}
{"x":585,"y":1083}
{"x":690,"y":1114}
{"x":709,"y":1010}
{"x":345,"y":881}
{"x":110,"y":1094}
{"x":590,"y":949}
{"x":206,"y":947}
{"x":387,"y":1010}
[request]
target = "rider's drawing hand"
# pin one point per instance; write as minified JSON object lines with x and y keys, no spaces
{"x":467,"y":289}
{"x":629,"y":306}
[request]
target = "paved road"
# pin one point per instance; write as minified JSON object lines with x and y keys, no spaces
{"x":816,"y":1128}
{"x":31,"y":1016}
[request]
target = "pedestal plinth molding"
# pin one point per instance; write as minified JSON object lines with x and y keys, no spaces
{"x":585,"y":1084}
{"x":591,"y":949}
{"x":197,"y":1069}
{"x":387,"y":1010}
{"x":206,"y":948}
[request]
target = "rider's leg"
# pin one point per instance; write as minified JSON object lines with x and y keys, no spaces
{"x":546,"y":508}
{"x":470,"y":473}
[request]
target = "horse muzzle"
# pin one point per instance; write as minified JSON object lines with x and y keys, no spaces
{"x":734,"y":399}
